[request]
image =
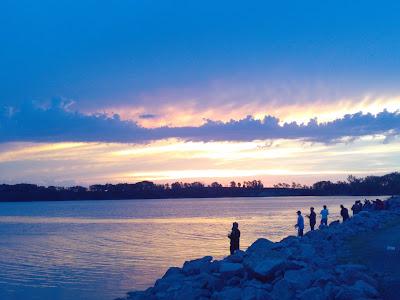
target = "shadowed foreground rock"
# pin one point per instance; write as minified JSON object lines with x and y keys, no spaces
{"x":294,"y":268}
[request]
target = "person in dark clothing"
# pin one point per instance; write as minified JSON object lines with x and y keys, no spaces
{"x":234,"y":236}
{"x":344,"y":212}
{"x":357,"y":207}
{"x":313,"y":218}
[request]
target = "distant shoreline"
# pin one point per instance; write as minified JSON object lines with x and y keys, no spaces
{"x":388,"y":184}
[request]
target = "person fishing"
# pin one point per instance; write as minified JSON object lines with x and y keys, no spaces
{"x":312,"y":217}
{"x":344,"y":212}
{"x":234,"y":236}
{"x":324,"y":216}
{"x":300,"y":224}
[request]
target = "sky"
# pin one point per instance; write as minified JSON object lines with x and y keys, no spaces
{"x":122,"y":91}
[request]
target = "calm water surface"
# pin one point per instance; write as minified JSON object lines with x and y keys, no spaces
{"x":102,"y":249}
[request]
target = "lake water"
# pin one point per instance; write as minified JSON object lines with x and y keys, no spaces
{"x":103,"y":249}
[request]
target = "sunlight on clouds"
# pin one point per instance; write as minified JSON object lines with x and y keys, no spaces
{"x":173,"y":159}
{"x":190,"y":113}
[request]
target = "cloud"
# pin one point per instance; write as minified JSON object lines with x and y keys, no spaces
{"x":147,"y":116}
{"x":57,"y":123}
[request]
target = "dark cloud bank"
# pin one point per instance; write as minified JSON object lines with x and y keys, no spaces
{"x":56,"y":123}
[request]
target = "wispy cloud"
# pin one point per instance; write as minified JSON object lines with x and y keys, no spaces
{"x":57,"y":123}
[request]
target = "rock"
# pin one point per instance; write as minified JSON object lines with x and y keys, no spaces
{"x":237,"y":257}
{"x":282,"y":291}
{"x":349,"y":293}
{"x":231,"y":293}
{"x":253,"y":293}
{"x":331,"y":291}
{"x":257,"y":284}
{"x":350,"y":268}
{"x":228,"y":269}
{"x":306,"y":252}
{"x":260,"y":245}
{"x":234,"y":281}
{"x":299,"y":279}
{"x":352,"y":276}
{"x":265,"y":269}
{"x":315,"y":293}
{"x":172,"y":272}
{"x":366,"y":289}
{"x":196,"y":266}
{"x":208,"y":281}
{"x":334,"y":223}
{"x":323,"y":277}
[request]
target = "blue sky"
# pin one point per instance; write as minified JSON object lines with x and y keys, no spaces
{"x":68,"y":67}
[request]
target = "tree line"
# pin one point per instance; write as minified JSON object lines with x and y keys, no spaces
{"x":388,"y":184}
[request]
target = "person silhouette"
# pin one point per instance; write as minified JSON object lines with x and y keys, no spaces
{"x":312,"y":217}
{"x":324,"y":216}
{"x":300,"y":224}
{"x":234,"y":236}
{"x":344,"y":212}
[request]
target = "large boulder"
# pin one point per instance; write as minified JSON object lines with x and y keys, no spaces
{"x":315,"y":293}
{"x":260,"y":247}
{"x":196,"y":266}
{"x":253,"y":293}
{"x":257,"y":284}
{"x":231,"y":293}
{"x":266,"y":268}
{"x":323,"y":277}
{"x":367,"y":289}
{"x":306,"y":252}
{"x":227,"y":269}
{"x":299,"y":279}
{"x":282,"y":291}
{"x":237,"y":257}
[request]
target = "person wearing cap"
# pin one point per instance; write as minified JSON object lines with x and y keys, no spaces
{"x":300,"y":224}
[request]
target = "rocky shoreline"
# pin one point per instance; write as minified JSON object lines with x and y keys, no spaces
{"x":307,"y":268}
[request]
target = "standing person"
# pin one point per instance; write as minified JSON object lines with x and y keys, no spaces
{"x":324,"y":216}
{"x":357,"y":207}
{"x":234,"y":236}
{"x":344,"y":212}
{"x":300,"y":224}
{"x":313,"y":218}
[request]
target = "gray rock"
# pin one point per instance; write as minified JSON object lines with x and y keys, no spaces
{"x":237,"y":257}
{"x":196,"y":266}
{"x":350,"y":268}
{"x":299,"y":279}
{"x":353,"y":276}
{"x":253,"y":293}
{"x":228,"y":293}
{"x":265,"y":269}
{"x":306,"y":252}
{"x":173,"y":272}
{"x":315,"y":293}
{"x":367,"y":289}
{"x":257,"y":284}
{"x":282,"y":291}
{"x":349,"y":293}
{"x":334,"y":223}
{"x":322,"y":277}
{"x":228,"y":269}
{"x":260,"y":245}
